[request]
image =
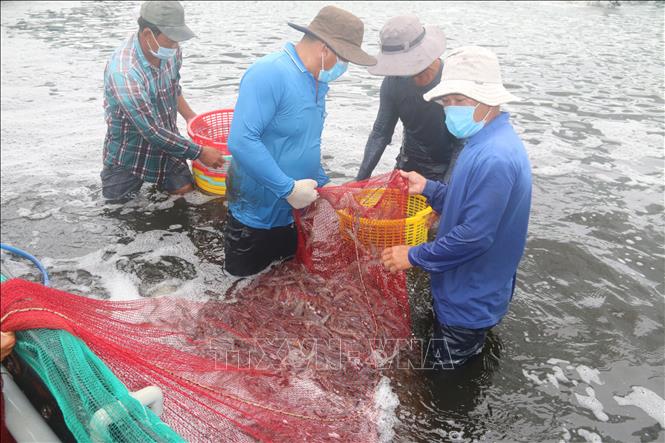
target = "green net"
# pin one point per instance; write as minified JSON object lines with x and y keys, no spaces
{"x":96,"y":406}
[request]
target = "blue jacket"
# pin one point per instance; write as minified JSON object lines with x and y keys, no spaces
{"x":275,"y":138}
{"x":482,"y":234}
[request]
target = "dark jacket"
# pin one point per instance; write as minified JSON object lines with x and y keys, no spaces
{"x":427,"y":145}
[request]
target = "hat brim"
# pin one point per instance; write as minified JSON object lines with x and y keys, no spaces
{"x":413,"y":61}
{"x":177,"y":33}
{"x":491,"y":94}
{"x":347,"y":51}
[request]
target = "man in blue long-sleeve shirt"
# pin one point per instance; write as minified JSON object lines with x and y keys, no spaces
{"x":275,"y":139}
{"x":485,"y":210}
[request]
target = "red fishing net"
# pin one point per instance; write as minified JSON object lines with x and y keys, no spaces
{"x":294,"y":354}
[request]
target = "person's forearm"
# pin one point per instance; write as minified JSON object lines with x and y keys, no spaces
{"x":381,"y":135}
{"x":184,"y":109}
{"x":435,"y":192}
{"x":376,"y":145}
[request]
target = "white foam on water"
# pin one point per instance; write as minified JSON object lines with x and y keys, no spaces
{"x":456,"y":436}
{"x":589,"y":375}
{"x":589,"y":436}
{"x":121,"y":287}
{"x":169,"y":287}
{"x":386,"y":402}
{"x":558,"y":373}
{"x":533,"y":377}
{"x":552,"y":379}
{"x":556,"y":361}
{"x":590,"y":401}
{"x":32,"y":215}
{"x":143,"y":204}
{"x":592,"y":301}
{"x":566,"y":434}
{"x":146,"y":249}
{"x":645,"y":326}
{"x":647,"y":400}
{"x":197,"y":198}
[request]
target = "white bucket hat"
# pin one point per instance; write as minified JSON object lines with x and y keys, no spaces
{"x":407,"y":47}
{"x":472,"y":71}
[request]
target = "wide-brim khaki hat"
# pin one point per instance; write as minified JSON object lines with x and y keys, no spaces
{"x":472,"y":71}
{"x":407,"y":47}
{"x":169,"y":18}
{"x":342,"y":32}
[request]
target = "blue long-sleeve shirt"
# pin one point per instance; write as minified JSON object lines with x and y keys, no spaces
{"x":482,"y":234}
{"x":275,"y":138}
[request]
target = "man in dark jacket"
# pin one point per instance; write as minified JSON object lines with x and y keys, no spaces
{"x":409,"y":57}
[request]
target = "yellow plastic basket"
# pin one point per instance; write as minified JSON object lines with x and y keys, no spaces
{"x":411,"y":230}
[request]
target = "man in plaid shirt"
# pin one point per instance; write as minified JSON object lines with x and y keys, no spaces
{"x":142,"y":97}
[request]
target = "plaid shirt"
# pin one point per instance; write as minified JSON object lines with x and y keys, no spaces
{"x":141,"y":110}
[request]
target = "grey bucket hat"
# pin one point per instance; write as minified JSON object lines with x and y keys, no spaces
{"x":341,"y":31}
{"x":169,"y":18}
{"x":407,"y":47}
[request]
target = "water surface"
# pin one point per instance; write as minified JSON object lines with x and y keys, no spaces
{"x":590,"y":289}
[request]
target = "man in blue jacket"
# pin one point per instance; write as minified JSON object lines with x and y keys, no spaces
{"x":275,"y":139}
{"x":485,"y":210}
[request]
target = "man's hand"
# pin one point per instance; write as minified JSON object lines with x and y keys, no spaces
{"x":396,"y":258}
{"x":416,"y":182}
{"x":7,"y":342}
{"x":211,"y":157}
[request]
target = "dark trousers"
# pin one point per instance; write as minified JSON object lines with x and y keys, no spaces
{"x":453,"y":346}
{"x":119,"y":185}
{"x":250,"y":250}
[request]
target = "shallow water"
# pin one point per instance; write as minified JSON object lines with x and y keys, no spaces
{"x":590,"y":290}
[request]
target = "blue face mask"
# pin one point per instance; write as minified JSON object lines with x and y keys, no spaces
{"x":333,"y":73}
{"x":162,"y":53}
{"x":460,"y":122}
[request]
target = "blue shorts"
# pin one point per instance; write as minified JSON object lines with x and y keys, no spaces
{"x":452,"y":346}
{"x":119,"y":185}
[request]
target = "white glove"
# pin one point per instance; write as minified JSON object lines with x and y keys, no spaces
{"x":303,"y":194}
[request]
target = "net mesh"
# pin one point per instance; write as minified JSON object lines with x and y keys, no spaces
{"x":294,"y":354}
{"x":90,"y":387}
